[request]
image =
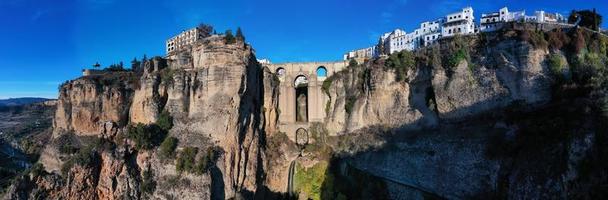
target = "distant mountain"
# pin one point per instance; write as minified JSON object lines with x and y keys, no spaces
{"x":21,"y":101}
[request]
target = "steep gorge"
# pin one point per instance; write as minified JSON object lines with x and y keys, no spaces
{"x":484,"y":116}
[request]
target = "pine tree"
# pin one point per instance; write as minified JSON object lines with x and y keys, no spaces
{"x":239,"y":34}
{"x":135,"y":64}
{"x":380,"y":47}
{"x":229,"y":38}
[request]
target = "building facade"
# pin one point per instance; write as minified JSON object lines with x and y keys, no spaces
{"x":459,"y":23}
{"x":184,"y":39}
{"x":494,"y":21}
{"x":361,"y":54}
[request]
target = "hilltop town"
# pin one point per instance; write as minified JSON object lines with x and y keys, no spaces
{"x":457,"y":23}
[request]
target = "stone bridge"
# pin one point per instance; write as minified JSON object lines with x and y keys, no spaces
{"x":301,"y":100}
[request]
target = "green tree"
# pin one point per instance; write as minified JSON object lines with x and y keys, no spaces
{"x":239,"y":34}
{"x":167,"y":147}
{"x":148,"y":185}
{"x":205,"y":29}
{"x":352,"y":63}
{"x":228,"y":37}
{"x":589,"y":18}
{"x":186,"y":159}
{"x":145,"y":136}
{"x":135,"y":64}
{"x":380,"y":47}
{"x":401,"y":62}
{"x":165,"y":121}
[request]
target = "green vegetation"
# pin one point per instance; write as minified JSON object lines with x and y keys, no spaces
{"x":167,"y":148}
{"x":205,"y":29}
{"x":349,"y":103}
{"x":166,"y":75}
{"x":401,"y":62}
{"x":206,"y":161}
{"x":145,"y":136}
{"x":66,"y":144}
{"x":86,"y":157}
{"x":228,"y":37}
{"x":314,"y":181}
{"x":536,"y":38}
{"x":325,"y":88}
{"x":457,"y":57}
{"x":353,"y":63}
{"x":557,"y":66}
{"x":37,"y":170}
{"x":239,"y":34}
{"x":148,"y":185}
{"x":590,"y":19}
{"x":186,"y":159}
{"x":165,"y":121}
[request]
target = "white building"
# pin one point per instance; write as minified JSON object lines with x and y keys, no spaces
{"x":399,"y":40}
{"x":264,"y":61}
{"x":544,"y":17}
{"x":494,"y":21}
{"x":185,"y":38}
{"x":361,"y":54}
{"x":461,"y":23}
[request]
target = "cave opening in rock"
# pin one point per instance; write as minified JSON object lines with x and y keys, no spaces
{"x":301,"y":86}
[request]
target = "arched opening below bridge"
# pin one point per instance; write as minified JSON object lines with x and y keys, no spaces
{"x":301,"y":86}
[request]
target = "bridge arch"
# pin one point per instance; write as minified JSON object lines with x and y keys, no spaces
{"x":301,"y":101}
{"x":321,"y":72}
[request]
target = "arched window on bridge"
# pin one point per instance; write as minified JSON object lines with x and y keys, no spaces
{"x":280,"y":72}
{"x":301,"y":86}
{"x":321,"y":71}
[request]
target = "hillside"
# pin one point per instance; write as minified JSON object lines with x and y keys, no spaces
{"x":21,"y":101}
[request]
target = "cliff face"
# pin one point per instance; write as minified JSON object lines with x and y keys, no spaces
{"x":87,"y":102}
{"x":218,"y":97}
{"x":471,"y":119}
{"x":460,"y":119}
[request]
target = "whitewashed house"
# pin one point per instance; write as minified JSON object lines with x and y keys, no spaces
{"x":461,"y":23}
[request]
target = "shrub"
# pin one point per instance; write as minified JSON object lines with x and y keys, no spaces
{"x":457,"y":57}
{"x":327,"y":84}
{"x":37,"y":170}
{"x":145,"y":137}
{"x":352,"y":63}
{"x":166,"y":75}
{"x":185,"y":161}
{"x":229,"y":38}
{"x":66,"y":144}
{"x":349,"y":104}
{"x":239,"y":34}
{"x":165,"y":121}
{"x":556,"y":65}
{"x":401,"y":62}
{"x":148,"y":185}
{"x":535,"y":38}
{"x":313,"y":181}
{"x":167,"y":147}
{"x":85,"y":157}
{"x":557,"y":39}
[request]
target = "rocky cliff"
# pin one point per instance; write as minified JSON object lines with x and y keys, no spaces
{"x":214,"y":93}
{"x":512,"y":114}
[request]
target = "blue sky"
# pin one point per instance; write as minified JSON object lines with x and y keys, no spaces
{"x":46,"y":42}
